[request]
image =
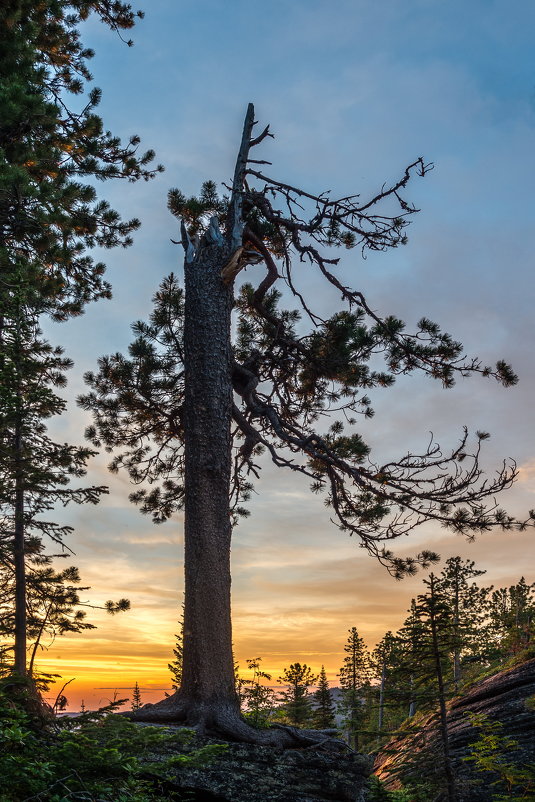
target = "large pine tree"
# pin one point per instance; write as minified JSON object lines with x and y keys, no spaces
{"x":52,"y":148}
{"x":35,"y":471}
{"x":193,"y":409}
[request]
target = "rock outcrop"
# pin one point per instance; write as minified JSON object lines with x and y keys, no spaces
{"x":503,"y":697}
{"x":250,"y":773}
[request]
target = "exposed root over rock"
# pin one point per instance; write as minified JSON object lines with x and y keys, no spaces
{"x":223,"y":720}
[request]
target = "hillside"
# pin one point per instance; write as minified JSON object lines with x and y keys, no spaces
{"x":505,"y":697}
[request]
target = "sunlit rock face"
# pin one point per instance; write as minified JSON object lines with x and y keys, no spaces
{"x":246,"y":773}
{"x":507,"y":697}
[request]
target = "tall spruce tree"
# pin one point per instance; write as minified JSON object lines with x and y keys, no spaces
{"x":355,"y":675}
{"x":35,"y":471}
{"x":188,"y":411}
{"x":386,"y":660}
{"x":51,"y":150}
{"x":468,"y":604}
{"x":511,"y":619}
{"x":416,"y":685}
{"x":433,"y":648}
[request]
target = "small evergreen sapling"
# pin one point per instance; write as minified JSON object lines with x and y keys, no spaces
{"x":175,"y":666}
{"x":136,"y":697}
{"x":257,"y":697}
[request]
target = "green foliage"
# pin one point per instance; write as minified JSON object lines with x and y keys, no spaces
{"x":355,"y":672}
{"x":511,"y":619}
{"x":467,"y":606}
{"x":377,"y":792}
{"x":49,"y":217}
{"x":355,"y":675}
{"x":416,"y":792}
{"x":30,"y":371}
{"x":257,"y":697}
{"x":136,"y":403}
{"x":196,"y":212}
{"x":136,"y":697}
{"x":93,"y":756}
{"x":324,"y":712}
{"x":175,"y":666}
{"x":493,"y":752}
{"x":295,"y":698}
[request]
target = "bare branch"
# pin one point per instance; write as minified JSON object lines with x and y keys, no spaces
{"x":260,"y":138}
{"x":235,"y":222}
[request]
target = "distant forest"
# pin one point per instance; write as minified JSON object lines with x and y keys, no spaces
{"x":456,"y":632}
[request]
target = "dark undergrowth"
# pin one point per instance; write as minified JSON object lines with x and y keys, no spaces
{"x":95,"y":757}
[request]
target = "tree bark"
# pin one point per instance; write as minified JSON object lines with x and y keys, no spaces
{"x":456,"y":638}
{"x":207,"y":694}
{"x":208,"y":666}
{"x":448,"y":770}
{"x":19,"y":545}
{"x":382,"y":697}
{"x":19,"y":556}
{"x":412,"y":700}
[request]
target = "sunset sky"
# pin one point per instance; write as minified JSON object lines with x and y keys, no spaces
{"x":353,"y":90}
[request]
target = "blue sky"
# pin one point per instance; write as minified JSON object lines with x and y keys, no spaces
{"x":353,"y":91}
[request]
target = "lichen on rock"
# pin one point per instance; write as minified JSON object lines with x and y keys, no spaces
{"x":252,"y":773}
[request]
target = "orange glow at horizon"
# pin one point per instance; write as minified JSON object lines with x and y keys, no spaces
{"x":289,"y":604}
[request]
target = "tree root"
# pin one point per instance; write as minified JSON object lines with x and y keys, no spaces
{"x":224,"y":721}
